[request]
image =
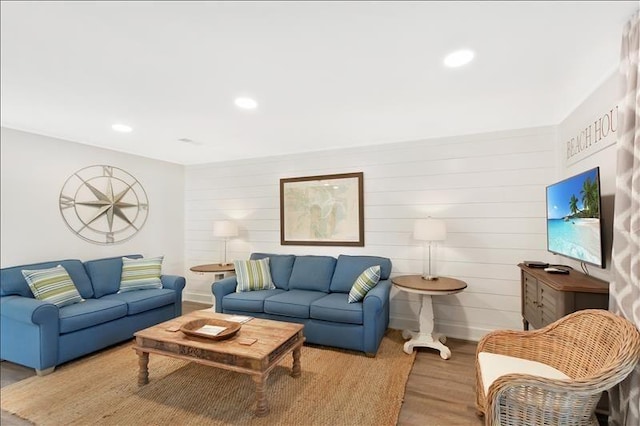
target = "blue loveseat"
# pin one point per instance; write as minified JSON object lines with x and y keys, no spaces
{"x":313,"y":290}
{"x":40,"y":335}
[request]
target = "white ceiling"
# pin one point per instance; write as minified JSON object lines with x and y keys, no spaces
{"x":325,"y":74}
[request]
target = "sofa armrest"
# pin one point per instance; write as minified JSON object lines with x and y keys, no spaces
{"x":378,"y":296}
{"x":375,"y":315}
{"x":29,"y":330}
{"x":28,"y":310}
{"x":222,"y":288}
{"x":174,"y":282}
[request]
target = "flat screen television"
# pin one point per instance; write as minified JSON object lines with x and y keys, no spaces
{"x":574,"y":225}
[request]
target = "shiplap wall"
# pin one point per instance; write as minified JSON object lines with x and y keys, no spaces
{"x":489,"y":189}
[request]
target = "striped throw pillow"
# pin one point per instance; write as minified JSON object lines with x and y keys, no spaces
{"x":253,"y":275}
{"x":141,"y":274}
{"x":53,"y":285}
{"x":365,"y":282}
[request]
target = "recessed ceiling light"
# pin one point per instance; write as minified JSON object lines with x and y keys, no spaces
{"x":246,"y":103}
{"x":458,"y":58}
{"x":123,"y":128}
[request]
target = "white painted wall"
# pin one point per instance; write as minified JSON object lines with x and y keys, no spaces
{"x":600,"y":152}
{"x":34,"y":169}
{"x":489,"y":189}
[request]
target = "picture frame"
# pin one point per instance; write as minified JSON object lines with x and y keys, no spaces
{"x":325,"y":210}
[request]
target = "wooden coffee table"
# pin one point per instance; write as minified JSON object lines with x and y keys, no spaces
{"x":273,"y":341}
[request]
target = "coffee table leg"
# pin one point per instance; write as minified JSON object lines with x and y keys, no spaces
{"x":296,"y":370}
{"x":262,"y":406}
{"x":143,"y":368}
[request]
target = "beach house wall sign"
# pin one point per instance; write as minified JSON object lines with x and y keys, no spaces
{"x":594,"y":136}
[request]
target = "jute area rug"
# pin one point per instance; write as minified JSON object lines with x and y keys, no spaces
{"x":336,"y":388}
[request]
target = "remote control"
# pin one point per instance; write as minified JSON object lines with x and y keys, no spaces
{"x":556,"y":270}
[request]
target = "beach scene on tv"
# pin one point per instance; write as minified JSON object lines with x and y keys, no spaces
{"x":573,"y":217}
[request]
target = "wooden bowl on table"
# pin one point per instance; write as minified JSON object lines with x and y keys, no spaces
{"x":191,"y":328}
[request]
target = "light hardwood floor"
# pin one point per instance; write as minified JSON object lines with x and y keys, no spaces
{"x":438,"y":392}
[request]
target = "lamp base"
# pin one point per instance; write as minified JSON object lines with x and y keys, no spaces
{"x":429,"y":278}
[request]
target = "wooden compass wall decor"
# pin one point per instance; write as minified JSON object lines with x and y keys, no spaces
{"x":103,"y":204}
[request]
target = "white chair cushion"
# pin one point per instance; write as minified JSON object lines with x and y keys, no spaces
{"x":493,"y":366}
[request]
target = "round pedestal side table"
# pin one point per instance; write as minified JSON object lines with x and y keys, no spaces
{"x":219,"y":270}
{"x":426,"y":337}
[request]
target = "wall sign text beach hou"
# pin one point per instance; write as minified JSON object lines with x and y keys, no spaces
{"x":596,"y":135}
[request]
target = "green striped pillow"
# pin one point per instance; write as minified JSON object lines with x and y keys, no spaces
{"x":141,"y":274}
{"x":253,"y":275}
{"x":365,"y":282}
{"x":52,"y":285}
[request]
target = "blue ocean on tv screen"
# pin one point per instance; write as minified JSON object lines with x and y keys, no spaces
{"x":573,"y":217}
{"x":577,"y":238}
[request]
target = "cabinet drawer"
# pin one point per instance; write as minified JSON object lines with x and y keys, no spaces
{"x":530,"y":302}
{"x":530,"y":296}
{"x":549,"y":304}
{"x":530,"y":281}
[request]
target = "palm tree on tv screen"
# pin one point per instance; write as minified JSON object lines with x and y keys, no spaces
{"x":573,"y":204}
{"x":589,"y":194}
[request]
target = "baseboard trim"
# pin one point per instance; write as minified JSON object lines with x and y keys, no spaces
{"x":197,"y":297}
{"x":462,"y":331}
{"x":457,"y":331}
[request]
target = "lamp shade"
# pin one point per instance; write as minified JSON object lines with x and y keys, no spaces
{"x":225,"y":229}
{"x":429,"y":230}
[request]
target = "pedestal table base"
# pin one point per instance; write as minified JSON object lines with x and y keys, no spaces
{"x":426,"y":337}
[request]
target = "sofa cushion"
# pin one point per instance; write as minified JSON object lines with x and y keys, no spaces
{"x":106,"y":274}
{"x":141,"y":274}
{"x":280,"y":265}
{"x":365,"y":282}
{"x":252,"y":275}
{"x":52,"y":285}
{"x":312,"y":273}
{"x":144,"y":300}
{"x":12,"y":281}
{"x":335,"y":307}
{"x":89,"y":313}
{"x":292,"y":303}
{"x":252,"y":301}
{"x":349,"y":268}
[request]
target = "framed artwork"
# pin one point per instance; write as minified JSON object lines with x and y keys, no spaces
{"x":103,"y":204}
{"x":325,"y":210}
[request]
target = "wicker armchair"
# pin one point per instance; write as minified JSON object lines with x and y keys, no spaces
{"x":593,"y":348}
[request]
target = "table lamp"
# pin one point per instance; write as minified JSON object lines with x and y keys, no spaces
{"x":225,"y":229}
{"x":430,"y":231}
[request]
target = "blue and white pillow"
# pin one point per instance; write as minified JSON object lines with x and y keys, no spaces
{"x":141,"y":274}
{"x":52,"y":285}
{"x":365,"y":282}
{"x":253,"y":275}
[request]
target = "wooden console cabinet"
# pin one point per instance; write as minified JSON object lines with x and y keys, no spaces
{"x":547,"y":297}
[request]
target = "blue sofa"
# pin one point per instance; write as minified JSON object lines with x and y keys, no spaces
{"x":313,"y":290}
{"x":40,"y":335}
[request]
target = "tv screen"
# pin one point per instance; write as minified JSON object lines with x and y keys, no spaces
{"x":574,"y":227}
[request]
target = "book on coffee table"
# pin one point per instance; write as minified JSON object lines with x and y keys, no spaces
{"x":239,"y":318}
{"x":212,"y":330}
